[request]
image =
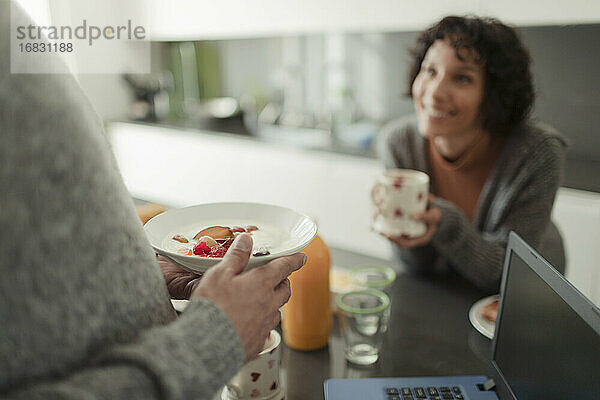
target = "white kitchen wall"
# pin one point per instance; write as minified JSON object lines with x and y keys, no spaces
{"x":108,"y":93}
{"x":38,"y":10}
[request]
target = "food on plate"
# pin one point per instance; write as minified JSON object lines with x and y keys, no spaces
{"x":490,"y":311}
{"x":208,"y":240}
{"x":214,"y":241}
{"x":204,"y":250}
{"x":181,"y":239}
{"x":261,"y":252}
{"x":218,"y":233}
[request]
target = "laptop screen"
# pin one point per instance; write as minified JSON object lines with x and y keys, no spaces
{"x":544,"y":349}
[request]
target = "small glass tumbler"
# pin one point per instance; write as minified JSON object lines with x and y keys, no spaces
{"x":373,"y":277}
{"x":364,"y":316}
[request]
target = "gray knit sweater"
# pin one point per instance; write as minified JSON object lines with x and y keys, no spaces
{"x":518,"y":195}
{"x":84,"y":310}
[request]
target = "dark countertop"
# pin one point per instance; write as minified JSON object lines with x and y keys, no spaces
{"x":429,"y":335}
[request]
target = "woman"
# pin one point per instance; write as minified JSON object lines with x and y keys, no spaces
{"x":492,"y":169}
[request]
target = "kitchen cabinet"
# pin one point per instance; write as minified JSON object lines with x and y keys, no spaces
{"x":182,"y":168}
{"x":202,"y":19}
{"x":577,"y":215}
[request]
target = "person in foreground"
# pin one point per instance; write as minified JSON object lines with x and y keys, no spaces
{"x":492,"y":168}
{"x":85,"y":311}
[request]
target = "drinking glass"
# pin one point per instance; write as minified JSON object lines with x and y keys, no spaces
{"x":364,"y":316}
{"x":373,"y":277}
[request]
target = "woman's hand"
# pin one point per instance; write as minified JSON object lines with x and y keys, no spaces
{"x":180,"y":282}
{"x":250,"y":299}
{"x":430,"y":217}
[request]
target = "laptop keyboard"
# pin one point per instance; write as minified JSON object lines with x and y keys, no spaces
{"x":420,"y":393}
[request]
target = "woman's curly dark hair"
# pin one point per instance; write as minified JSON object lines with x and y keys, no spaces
{"x":508,"y":89}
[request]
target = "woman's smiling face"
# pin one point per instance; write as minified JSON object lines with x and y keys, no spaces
{"x":448,"y":92}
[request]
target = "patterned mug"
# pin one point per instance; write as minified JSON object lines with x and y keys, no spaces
{"x":396,"y":195}
{"x":259,"y":378}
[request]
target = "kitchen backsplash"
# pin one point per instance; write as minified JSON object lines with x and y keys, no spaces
{"x":352,"y":83}
{"x":373,"y":68}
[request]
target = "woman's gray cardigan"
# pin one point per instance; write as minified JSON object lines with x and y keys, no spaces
{"x":518,"y":195}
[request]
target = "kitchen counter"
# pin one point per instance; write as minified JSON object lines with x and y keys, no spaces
{"x":579,"y":173}
{"x":429,"y":335}
{"x":240,"y":132}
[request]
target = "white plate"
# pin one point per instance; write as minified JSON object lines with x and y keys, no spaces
{"x":298,"y":229}
{"x":484,"y":326}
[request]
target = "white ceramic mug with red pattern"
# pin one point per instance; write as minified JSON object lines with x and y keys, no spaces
{"x":396,"y":195}
{"x":259,"y":378}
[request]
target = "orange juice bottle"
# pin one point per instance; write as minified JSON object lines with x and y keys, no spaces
{"x":306,"y":320}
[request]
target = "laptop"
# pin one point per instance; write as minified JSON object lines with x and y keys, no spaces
{"x":546,"y":344}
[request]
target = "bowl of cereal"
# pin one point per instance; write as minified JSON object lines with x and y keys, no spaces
{"x":198,"y":237}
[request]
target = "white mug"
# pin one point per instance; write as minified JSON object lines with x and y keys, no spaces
{"x":396,"y":195}
{"x":258,"y":379}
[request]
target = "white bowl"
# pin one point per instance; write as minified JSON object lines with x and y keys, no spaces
{"x":299,"y":230}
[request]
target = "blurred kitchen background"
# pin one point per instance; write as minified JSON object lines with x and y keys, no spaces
{"x":280,"y":101}
{"x":309,"y":84}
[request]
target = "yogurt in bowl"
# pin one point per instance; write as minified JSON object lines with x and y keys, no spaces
{"x":281,"y":231}
{"x":267,"y":239}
